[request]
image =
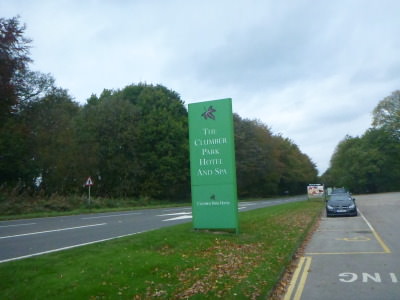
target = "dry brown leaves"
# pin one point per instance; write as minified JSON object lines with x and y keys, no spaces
{"x":233,"y":263}
{"x":281,"y":288}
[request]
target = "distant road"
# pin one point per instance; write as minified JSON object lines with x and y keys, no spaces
{"x":31,"y":237}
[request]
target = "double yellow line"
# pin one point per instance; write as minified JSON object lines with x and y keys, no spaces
{"x":299,"y":278}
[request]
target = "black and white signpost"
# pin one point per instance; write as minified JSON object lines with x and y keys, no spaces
{"x":89,"y":183}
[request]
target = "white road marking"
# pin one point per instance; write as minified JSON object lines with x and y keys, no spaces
{"x":110,"y":216}
{"x":66,"y":248}
{"x":16,"y":225}
{"x":175,"y":214}
{"x":47,"y":231}
{"x":177,"y":208}
{"x":377,"y":236}
{"x":366,"y":221}
{"x":179,"y":218}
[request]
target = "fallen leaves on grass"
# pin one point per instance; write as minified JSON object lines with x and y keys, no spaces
{"x":231,"y":264}
{"x":247,"y":266}
{"x":281,"y":288}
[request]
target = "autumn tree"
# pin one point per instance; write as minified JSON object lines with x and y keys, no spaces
{"x":295,"y":168}
{"x":132,"y":141}
{"x":163,"y":142}
{"x":371,"y":162}
{"x":268,"y":164}
{"x":19,"y":86}
{"x":50,"y":138}
{"x":14,"y":58}
{"x":135,"y":141}
{"x":17,"y":82}
{"x":386,"y":114}
{"x":107,"y":136}
{"x":255,"y":158}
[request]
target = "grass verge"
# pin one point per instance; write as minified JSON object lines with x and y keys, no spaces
{"x":171,"y":263}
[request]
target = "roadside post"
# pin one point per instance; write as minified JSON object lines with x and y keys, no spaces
{"x":212,"y":165}
{"x":89,"y":183}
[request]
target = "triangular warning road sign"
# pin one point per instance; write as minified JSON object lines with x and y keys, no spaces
{"x":89,"y":181}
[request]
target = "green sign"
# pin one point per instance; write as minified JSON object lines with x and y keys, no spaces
{"x":212,"y":165}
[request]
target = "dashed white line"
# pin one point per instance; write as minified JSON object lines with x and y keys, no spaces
{"x":47,"y":231}
{"x":110,"y":216}
{"x":16,"y":225}
{"x":174,"y":214}
{"x":66,"y":248}
{"x":175,"y":209}
{"x":179,"y":218}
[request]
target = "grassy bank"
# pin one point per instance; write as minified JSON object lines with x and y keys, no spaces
{"x":170,"y":263}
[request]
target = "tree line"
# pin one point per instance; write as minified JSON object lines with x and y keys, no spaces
{"x":133,"y":142}
{"x":370,"y":163}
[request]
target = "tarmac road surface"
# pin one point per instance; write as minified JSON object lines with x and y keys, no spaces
{"x":353,"y":257}
{"x":26,"y":238}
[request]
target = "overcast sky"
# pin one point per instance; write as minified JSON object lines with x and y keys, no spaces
{"x":312,"y":71}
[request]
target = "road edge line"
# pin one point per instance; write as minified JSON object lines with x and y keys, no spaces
{"x":299,"y":279}
{"x":67,"y":247}
{"x":303,"y":278}
{"x":376,"y":235}
{"x":293,"y":281}
{"x":50,"y":231}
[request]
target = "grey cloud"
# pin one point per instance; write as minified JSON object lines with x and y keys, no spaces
{"x":305,"y":68}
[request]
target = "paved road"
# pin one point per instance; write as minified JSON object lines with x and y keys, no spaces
{"x":353,"y":257}
{"x":26,"y":238}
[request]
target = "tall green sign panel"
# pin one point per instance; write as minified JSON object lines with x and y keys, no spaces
{"x":212,"y":165}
